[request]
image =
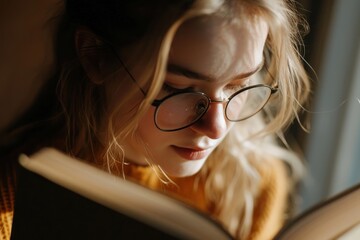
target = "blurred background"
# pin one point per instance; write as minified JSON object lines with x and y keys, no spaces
{"x":332,"y":146}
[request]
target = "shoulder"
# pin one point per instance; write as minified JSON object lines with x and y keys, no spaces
{"x":271,"y":202}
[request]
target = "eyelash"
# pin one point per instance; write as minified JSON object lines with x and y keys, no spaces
{"x":235,"y":88}
{"x":169,"y":89}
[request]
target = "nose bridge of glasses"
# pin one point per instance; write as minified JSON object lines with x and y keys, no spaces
{"x":224,"y":100}
{"x":223,"y":103}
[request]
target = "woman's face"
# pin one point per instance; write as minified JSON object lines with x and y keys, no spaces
{"x":222,"y":55}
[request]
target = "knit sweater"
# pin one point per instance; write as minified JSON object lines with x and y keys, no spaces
{"x":269,"y":206}
{"x":7,"y":194}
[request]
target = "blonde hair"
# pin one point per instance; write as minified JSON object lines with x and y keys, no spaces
{"x":231,"y":184}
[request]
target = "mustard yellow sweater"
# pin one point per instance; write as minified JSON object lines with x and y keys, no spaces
{"x":268,"y":216}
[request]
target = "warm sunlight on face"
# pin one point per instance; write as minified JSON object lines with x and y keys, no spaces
{"x":214,"y":56}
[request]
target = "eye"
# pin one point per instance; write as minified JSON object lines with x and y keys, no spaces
{"x":171,"y":89}
{"x":233,"y":88}
{"x":236,"y":86}
{"x":201,"y":106}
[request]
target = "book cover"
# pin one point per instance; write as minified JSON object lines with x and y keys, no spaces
{"x":63,"y":198}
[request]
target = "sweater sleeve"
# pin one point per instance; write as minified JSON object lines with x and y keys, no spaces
{"x":271,"y":204}
{"x":7,"y":192}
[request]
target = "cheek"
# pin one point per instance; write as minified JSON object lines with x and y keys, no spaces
{"x":148,"y":132}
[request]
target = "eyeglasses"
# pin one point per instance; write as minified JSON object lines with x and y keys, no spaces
{"x":183,"y":109}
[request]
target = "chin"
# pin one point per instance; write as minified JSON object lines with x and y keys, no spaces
{"x":186,"y":169}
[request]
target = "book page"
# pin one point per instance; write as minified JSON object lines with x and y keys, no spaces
{"x":351,"y":234}
{"x":328,"y":220}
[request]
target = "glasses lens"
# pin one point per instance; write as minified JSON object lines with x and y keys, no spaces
{"x":247,"y":103}
{"x":180,"y":111}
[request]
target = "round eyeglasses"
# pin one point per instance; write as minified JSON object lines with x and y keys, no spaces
{"x":183,"y":109}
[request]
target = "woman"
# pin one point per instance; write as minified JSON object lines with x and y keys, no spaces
{"x":184,"y":97}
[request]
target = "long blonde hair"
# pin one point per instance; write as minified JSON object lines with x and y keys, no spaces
{"x":231,"y":173}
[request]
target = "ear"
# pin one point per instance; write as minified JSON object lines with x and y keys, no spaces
{"x":89,"y":51}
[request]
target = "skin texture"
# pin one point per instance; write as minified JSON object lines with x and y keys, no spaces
{"x":223,"y":54}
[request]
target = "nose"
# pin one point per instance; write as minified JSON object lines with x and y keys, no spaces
{"x":213,"y":124}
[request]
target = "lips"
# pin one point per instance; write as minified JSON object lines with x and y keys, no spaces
{"x":192,"y":153}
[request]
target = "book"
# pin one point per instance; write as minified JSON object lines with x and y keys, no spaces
{"x":59,"y":197}
{"x":63,"y":198}
{"x":335,"y":218}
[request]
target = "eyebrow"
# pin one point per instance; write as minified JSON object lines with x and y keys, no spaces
{"x":183,"y":71}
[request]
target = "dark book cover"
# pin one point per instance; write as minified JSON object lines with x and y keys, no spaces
{"x":45,"y":210}
{"x":59,"y":197}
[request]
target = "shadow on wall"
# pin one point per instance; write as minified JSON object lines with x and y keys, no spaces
{"x":27,"y":30}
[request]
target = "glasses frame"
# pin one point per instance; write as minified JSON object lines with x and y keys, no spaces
{"x":157,"y":102}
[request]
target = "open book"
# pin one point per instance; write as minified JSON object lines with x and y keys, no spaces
{"x":335,"y":218}
{"x":62,"y":198}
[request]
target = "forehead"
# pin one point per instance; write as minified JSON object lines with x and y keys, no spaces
{"x":219,"y":48}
